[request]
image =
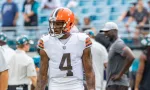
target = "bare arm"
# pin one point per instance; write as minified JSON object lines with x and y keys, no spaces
{"x":129,"y":21}
{"x":127,"y":53}
{"x":139,"y":74}
{"x":122,"y":16}
{"x":129,"y":59}
{"x":144,"y":19}
{"x":4,"y":80}
{"x":34,"y":80}
{"x":42,"y":77}
{"x":30,"y":14}
{"x":89,"y":72}
{"x":15,"y":19}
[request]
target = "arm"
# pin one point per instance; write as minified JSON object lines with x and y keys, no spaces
{"x":34,"y":80}
{"x":16,"y":17}
{"x":142,"y":23}
{"x":16,"y":14}
{"x":122,"y":16}
{"x":129,"y":59}
{"x":145,"y":17}
{"x":139,"y":74}
{"x":4,"y":80}
{"x":129,"y":21}
{"x":127,"y":53}
{"x":89,"y":72}
{"x":42,"y":77}
{"x":3,"y":72}
{"x":30,"y":14}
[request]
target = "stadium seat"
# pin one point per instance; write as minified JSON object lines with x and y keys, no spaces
{"x":114,"y":2}
{"x":99,"y":17}
{"x":98,"y":24}
{"x":119,"y":9}
{"x":84,"y":3}
{"x":99,"y":3}
{"x":127,"y":2}
{"x":114,"y":16}
{"x":101,"y":10}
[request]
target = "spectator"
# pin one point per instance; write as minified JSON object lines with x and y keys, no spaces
{"x":124,"y":17}
{"x":30,"y":13}
{"x":5,"y":55}
{"x":9,"y":14}
{"x":148,"y":8}
{"x":22,"y":69}
{"x":87,"y":25}
{"x":143,"y":74}
{"x":50,"y":4}
{"x":141,"y":17}
{"x":119,"y":61}
{"x":99,"y":59}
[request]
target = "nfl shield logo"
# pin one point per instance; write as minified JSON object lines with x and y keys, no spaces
{"x":64,"y":47}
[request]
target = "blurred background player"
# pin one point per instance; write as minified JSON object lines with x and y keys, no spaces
{"x":119,"y":61}
{"x":99,"y":59}
{"x":66,"y":54}
{"x":4,"y":60}
{"x":5,"y":48}
{"x":22,"y":69}
{"x":143,"y":73}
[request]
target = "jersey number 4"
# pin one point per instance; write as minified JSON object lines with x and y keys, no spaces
{"x":65,"y":57}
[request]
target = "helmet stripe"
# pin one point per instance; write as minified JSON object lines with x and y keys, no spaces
{"x":56,"y":12}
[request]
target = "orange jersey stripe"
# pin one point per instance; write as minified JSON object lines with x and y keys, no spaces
{"x":88,"y":42}
{"x":41,"y":44}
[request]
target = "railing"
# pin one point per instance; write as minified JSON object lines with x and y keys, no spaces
{"x":36,"y":32}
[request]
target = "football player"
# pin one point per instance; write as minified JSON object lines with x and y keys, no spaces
{"x":65,"y":55}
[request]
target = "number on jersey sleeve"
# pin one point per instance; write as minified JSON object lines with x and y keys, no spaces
{"x":88,"y":42}
{"x":65,"y":57}
{"x":40,"y":44}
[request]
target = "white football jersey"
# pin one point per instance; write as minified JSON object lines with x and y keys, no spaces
{"x":65,"y":62}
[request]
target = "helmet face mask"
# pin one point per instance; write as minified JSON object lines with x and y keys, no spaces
{"x":56,"y":28}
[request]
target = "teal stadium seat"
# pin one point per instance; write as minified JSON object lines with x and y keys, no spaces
{"x":114,"y":2}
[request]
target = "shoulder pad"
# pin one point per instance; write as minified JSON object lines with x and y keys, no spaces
{"x":42,"y":40}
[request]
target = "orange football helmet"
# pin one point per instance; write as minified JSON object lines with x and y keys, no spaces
{"x":61,"y":19}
